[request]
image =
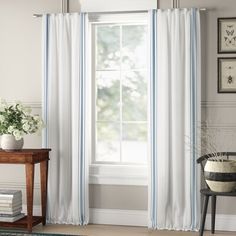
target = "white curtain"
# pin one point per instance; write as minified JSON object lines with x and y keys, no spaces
{"x":66,"y":113}
{"x":175,"y":113}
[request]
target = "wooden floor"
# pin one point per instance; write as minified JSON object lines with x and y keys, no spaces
{"x":107,"y":230}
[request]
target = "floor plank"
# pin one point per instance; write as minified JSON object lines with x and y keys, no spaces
{"x":108,"y":230}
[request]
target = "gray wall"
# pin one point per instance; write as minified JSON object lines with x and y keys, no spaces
{"x":20,"y":78}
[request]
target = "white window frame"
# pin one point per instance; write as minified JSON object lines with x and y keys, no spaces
{"x":113,"y":173}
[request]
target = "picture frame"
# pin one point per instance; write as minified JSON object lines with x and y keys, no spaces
{"x":226,"y":75}
{"x":226,"y":28}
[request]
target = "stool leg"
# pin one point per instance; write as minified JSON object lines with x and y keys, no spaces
{"x":206,"y":199}
{"x":213,"y":213}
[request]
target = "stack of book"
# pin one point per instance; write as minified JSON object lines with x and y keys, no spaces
{"x":10,"y":205}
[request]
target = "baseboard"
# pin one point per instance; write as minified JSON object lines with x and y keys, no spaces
{"x":118,"y":217}
{"x":223,"y":222}
{"x":140,"y":218}
{"x":108,"y":216}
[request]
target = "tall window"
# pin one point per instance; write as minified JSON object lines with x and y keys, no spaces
{"x":120,"y":88}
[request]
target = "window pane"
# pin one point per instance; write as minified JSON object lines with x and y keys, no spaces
{"x":108,"y":142}
{"x":134,"y":96}
{"x":108,"y":47}
{"x":134,"y":143}
{"x":134,"y":48}
{"x":108,"y":95}
{"x":120,"y":70}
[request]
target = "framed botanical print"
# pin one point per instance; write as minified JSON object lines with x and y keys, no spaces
{"x":227,"y":35}
{"x":227,"y":75}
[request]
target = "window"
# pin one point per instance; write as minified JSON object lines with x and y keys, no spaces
{"x":120,"y":88}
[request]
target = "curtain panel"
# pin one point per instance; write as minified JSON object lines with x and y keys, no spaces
{"x":66,"y":112}
{"x":175,"y":113}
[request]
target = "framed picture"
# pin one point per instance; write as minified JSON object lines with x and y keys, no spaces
{"x":227,"y":75}
{"x":227,"y":35}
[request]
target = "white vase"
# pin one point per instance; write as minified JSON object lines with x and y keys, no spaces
{"x":220,"y":175}
{"x":9,"y":143}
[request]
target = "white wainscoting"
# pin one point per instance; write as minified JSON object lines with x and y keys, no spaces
{"x":223,"y":222}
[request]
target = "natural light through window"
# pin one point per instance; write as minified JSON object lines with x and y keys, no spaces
{"x":120,"y":86}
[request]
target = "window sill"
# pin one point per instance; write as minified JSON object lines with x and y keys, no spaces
{"x":118,"y":175}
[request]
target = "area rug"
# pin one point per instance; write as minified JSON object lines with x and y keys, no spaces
{"x":11,"y":233}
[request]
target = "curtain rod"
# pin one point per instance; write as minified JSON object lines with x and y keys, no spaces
{"x":115,"y":12}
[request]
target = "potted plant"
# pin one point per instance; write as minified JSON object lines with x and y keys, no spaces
{"x":219,"y":170}
{"x":220,"y":174}
{"x":16,"y":120}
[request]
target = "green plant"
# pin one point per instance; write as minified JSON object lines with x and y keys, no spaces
{"x":16,"y":119}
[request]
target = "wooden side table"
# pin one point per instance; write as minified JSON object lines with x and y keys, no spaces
{"x":29,"y":157}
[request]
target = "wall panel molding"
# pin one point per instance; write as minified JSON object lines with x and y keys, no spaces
{"x":223,"y":222}
{"x":204,"y":104}
{"x":35,"y":105}
{"x":118,"y":217}
{"x":16,"y":185}
{"x":221,"y":126}
{"x":218,"y":104}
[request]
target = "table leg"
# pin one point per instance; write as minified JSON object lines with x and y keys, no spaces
{"x":29,"y":168}
{"x":44,"y":178}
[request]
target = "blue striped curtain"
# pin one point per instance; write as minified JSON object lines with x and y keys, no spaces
{"x":66,"y":112}
{"x":175,"y":115}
